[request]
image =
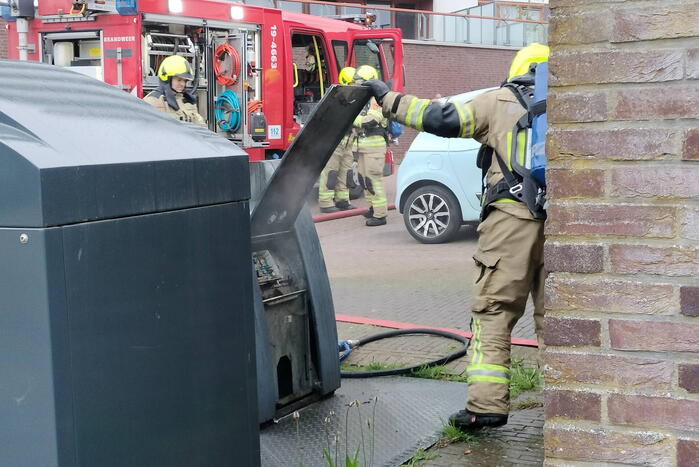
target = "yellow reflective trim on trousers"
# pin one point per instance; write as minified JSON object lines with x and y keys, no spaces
{"x":487,"y":379}
{"x":476,"y":340}
{"x":409,"y":113}
{"x":488,"y":366}
{"x":420,"y":113}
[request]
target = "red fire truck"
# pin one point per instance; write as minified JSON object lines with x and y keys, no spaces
{"x":260,"y":54}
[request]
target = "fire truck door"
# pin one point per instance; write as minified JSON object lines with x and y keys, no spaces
{"x":381,"y":49}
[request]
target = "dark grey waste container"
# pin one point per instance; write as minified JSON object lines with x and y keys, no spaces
{"x":295,"y":320}
{"x":126,"y":323}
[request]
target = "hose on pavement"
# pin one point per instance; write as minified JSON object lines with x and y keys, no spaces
{"x":343,"y":345}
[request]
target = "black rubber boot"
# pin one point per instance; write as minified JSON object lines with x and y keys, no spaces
{"x":344,"y":205}
{"x":370,"y":213}
{"x":374,"y":221}
{"x":466,"y":420}
{"x":329,"y":210}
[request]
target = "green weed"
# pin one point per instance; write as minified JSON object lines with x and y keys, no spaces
{"x":523,"y":379}
{"x":373,"y":366}
{"x":451,"y":434}
{"x":439,"y":372}
{"x":420,"y":456}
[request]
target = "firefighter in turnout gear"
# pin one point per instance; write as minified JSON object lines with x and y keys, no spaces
{"x":333,"y":193}
{"x":171,"y":96}
{"x":509,"y":263}
{"x":372,"y":145}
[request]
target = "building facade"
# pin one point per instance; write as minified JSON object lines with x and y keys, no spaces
{"x":622,"y":298}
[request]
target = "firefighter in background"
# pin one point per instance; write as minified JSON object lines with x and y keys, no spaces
{"x":509,"y":259}
{"x":333,"y":194}
{"x":371,"y":146}
{"x":171,"y":96}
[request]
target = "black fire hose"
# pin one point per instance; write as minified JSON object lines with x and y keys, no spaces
{"x":406,"y":369}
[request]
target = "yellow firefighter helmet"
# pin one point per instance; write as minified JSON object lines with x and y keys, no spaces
{"x":533,"y":53}
{"x":346,"y":75}
{"x":365,"y":73}
{"x":175,"y":65}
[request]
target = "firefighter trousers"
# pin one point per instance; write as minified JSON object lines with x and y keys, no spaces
{"x":509,"y":266}
{"x":371,"y":162}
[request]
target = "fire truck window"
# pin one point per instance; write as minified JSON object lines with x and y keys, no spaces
{"x":388,"y":52}
{"x":310,"y":58}
{"x":364,"y":52}
{"x":340,"y":49}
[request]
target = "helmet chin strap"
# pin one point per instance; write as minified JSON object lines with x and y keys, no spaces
{"x":171,"y":95}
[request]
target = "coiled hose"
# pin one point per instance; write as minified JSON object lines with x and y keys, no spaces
{"x":344,"y":345}
{"x":227,"y":103}
{"x":222,"y":50}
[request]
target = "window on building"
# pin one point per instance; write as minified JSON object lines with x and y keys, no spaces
{"x":322,"y":10}
{"x":407,"y":22}
{"x":383,"y":17}
{"x":296,"y":7}
{"x":265,"y":3}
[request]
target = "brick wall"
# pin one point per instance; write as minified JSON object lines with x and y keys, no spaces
{"x":3,"y":39}
{"x":433,"y":69}
{"x":622,"y":326}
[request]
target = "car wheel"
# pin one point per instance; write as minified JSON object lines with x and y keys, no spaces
{"x":432,"y":214}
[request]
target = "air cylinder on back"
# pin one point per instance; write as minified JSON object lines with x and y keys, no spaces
{"x":540,"y":125}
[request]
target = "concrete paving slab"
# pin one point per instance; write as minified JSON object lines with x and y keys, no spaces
{"x":409,"y":415}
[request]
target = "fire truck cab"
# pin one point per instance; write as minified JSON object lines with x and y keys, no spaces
{"x":258,"y":71}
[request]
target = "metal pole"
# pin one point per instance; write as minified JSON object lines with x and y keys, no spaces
{"x":22,"y":29}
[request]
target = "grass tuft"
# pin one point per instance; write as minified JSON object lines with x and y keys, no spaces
{"x":373,"y":366}
{"x":523,"y":378}
{"x":451,"y":434}
{"x":420,"y":456}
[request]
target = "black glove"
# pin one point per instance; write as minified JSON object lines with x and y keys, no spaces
{"x":378,"y":89}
